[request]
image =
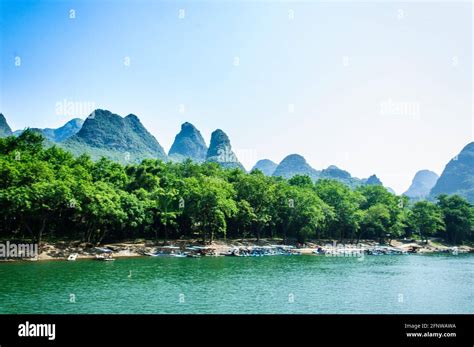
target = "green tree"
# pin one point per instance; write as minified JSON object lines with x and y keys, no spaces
{"x":101,"y":211}
{"x":259,"y":192}
{"x":346,"y":218}
{"x":208,"y":203}
{"x":458,"y":217}
{"x":426,"y":218}
{"x":299,"y":212}
{"x":244,"y":218}
{"x":376,"y":221}
{"x":376,"y":195}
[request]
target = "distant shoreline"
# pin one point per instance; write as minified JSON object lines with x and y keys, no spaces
{"x":61,"y":250}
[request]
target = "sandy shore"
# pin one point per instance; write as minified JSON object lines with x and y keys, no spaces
{"x":61,"y":250}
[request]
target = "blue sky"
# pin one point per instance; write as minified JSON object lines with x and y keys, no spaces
{"x":373,"y":87}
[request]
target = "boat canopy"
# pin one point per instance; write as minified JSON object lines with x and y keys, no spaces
{"x":105,"y":250}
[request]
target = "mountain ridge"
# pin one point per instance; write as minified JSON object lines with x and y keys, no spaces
{"x":220,"y":151}
{"x":5,"y":129}
{"x":188,"y":144}
{"x":124,"y":139}
{"x":60,"y":134}
{"x":421,"y":185}
{"x":457,"y":176}
{"x":266,"y":166}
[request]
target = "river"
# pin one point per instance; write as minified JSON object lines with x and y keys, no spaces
{"x":272,"y":284}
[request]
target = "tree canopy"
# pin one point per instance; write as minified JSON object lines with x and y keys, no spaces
{"x":49,"y":192}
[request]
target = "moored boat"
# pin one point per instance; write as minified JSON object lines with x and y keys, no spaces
{"x":104,"y":257}
{"x":167,"y":251}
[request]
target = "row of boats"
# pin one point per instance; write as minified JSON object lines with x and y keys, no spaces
{"x":260,"y":251}
{"x":246,"y":251}
{"x":102,"y":257}
{"x":355,"y":251}
{"x":177,"y":252}
{"x":105,"y":254}
{"x":377,"y":250}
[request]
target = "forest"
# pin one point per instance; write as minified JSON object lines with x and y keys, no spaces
{"x":47,"y":193}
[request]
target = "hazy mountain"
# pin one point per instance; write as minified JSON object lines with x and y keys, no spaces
{"x":295,"y":164}
{"x":220,"y":151}
{"x":266,"y":166}
{"x":189,"y":143}
{"x":5,"y":129}
{"x":421,"y":184}
{"x":373,"y":181}
{"x":67,"y":130}
{"x":458,"y":176}
{"x":335,"y":173}
{"x":122,"y":139}
{"x":60,"y":134}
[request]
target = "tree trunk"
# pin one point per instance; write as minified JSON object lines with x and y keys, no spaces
{"x":359,"y":235}
{"x":89,"y":233}
{"x":40,"y":233}
{"x":426,"y":238}
{"x":102,"y":236}
{"x":166,"y":235}
{"x":29,"y":229}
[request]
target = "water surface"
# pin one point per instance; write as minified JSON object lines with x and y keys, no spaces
{"x":275,"y":284}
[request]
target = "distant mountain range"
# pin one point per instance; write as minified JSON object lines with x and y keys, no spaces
{"x":60,"y":134}
{"x":295,"y":164}
{"x":126,"y":140}
{"x":421,"y":185}
{"x":458,"y":175}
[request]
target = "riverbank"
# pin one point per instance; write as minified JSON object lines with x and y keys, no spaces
{"x":61,"y":250}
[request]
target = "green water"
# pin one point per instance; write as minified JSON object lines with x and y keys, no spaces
{"x":279,"y":284}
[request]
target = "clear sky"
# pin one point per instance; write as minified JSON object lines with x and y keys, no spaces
{"x":382,"y":88}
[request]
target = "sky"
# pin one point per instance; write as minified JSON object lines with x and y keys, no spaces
{"x":371,"y":87}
